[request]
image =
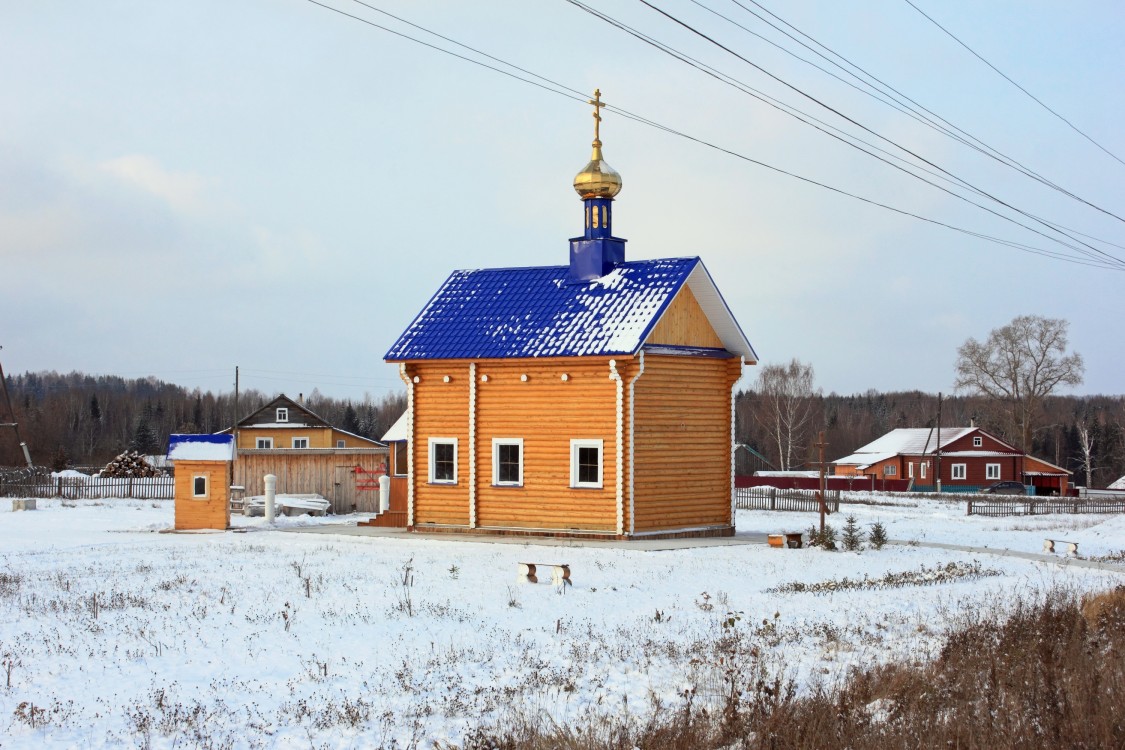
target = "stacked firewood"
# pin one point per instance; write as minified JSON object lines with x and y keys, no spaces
{"x":129,"y":464}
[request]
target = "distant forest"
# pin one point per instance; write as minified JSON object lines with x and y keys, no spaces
{"x":84,"y":420}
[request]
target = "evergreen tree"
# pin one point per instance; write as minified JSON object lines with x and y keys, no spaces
{"x":852,"y":538}
{"x":144,"y":439}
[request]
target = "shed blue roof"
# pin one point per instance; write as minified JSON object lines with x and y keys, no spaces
{"x":534,"y":312}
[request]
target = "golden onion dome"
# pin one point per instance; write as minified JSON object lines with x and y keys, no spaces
{"x":597,"y":179}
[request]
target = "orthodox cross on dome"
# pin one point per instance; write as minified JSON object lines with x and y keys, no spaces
{"x":598,"y":104}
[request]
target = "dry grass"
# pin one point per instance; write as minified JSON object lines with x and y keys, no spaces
{"x":1051,"y":675}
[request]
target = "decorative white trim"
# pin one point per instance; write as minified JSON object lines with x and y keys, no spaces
{"x":413,"y":475}
{"x":565,"y":377}
{"x":263,"y":444}
{"x":633,"y":444}
{"x":206,"y":486}
{"x":282,"y":414}
{"x":958,"y":471}
{"x":473,"y":444}
{"x":615,"y":375}
{"x":988,"y":470}
{"x":446,"y":379}
{"x":304,"y":439}
{"x":733,"y":444}
{"x":523,"y":378}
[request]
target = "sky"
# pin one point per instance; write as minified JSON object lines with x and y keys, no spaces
{"x":190,"y":187}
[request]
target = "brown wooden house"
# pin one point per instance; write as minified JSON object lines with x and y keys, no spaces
{"x":971,"y":460}
{"x":592,"y":399}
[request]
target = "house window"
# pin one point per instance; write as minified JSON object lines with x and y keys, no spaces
{"x":265,"y":444}
{"x":586,"y":463}
{"x":443,"y":460}
{"x":282,"y":414}
{"x":890,"y":471}
{"x":910,"y":469}
{"x":199,"y":485}
{"x":992,"y":471}
{"x":957,"y":471}
{"x":402,"y":457}
{"x":507,"y":461}
{"x":339,"y":443}
{"x":978,"y":441}
{"x":301,"y":442}
{"x":922,"y":470}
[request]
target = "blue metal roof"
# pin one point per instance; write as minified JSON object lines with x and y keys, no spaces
{"x":533,"y":312}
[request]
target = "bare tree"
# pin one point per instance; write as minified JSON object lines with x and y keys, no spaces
{"x":786,"y":397}
{"x":1020,"y":365}
{"x":1086,"y":455}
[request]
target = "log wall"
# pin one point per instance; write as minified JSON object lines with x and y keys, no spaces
{"x":683,"y":443}
{"x":211,"y":512}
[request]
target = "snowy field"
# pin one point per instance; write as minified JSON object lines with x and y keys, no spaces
{"x":113,"y":635}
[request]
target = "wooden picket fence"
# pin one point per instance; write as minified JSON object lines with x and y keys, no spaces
{"x":772,"y":498}
{"x":94,"y":488}
{"x":1039,"y":506}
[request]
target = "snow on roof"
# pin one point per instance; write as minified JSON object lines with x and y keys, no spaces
{"x":201,"y":447}
{"x":916,"y":440}
{"x":534,"y":312}
{"x":1118,"y":485}
{"x":397,"y":431}
{"x":863,"y":460}
{"x":805,"y":474}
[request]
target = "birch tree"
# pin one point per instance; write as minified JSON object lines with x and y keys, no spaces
{"x":1019,"y":365}
{"x":786,"y":399}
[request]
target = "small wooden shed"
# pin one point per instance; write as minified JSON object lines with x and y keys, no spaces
{"x":202,"y":480}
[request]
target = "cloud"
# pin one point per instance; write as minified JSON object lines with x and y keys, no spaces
{"x":182,"y":191}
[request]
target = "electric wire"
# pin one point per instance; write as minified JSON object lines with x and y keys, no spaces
{"x":1050,"y":225}
{"x":574,"y":94}
{"x":1009,"y":80}
{"x":910,"y":106}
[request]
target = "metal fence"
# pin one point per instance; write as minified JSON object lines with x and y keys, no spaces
{"x":94,"y":488}
{"x":1042,"y":506}
{"x":772,"y":498}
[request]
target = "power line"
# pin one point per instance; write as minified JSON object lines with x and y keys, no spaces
{"x":1009,"y":80}
{"x":573,"y":94}
{"x":901,"y":101}
{"x":1050,"y":225}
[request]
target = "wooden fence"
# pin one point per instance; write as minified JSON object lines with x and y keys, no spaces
{"x":1036,"y":506}
{"x":348,"y":478}
{"x":772,"y":498}
{"x":94,"y":488}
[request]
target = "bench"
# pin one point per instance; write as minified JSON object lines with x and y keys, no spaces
{"x":1071,"y":547}
{"x":560,"y":573}
{"x":792,"y":540}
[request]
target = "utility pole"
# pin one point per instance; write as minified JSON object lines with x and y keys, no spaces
{"x":12,"y":415}
{"x":937,"y":474}
{"x":821,"y":445}
{"x":234,"y":429}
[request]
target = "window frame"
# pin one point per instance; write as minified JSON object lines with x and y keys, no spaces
{"x":341,"y":443}
{"x":402,"y":455}
{"x":282,"y":414}
{"x":992,"y":472}
{"x":890,"y":470}
{"x":576,"y":444}
{"x":263,"y":444}
{"x":303,"y":439}
{"x":978,"y":441}
{"x":195,"y":493}
{"x":958,"y":469}
{"x":922,"y":469}
{"x":496,"y":445}
{"x":435,"y":441}
{"x":909,"y":469}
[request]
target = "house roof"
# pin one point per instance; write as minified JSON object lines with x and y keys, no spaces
{"x":201,"y":447}
{"x":533,"y":312}
{"x":397,"y":431}
{"x":1118,"y":485}
{"x":299,"y":415}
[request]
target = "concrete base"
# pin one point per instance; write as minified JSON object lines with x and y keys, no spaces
{"x":27,"y":503}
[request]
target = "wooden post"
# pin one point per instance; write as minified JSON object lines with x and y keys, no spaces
{"x":969,"y":509}
{"x":820,"y":444}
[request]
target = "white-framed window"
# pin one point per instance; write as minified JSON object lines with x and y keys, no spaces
{"x":992,"y":471}
{"x":300,"y":442}
{"x":586,"y":463}
{"x":199,"y":485}
{"x":443,"y":460}
{"x":922,"y":470}
{"x":282,"y":414}
{"x":340,"y":443}
{"x":957,"y":471}
{"x":507,"y":461}
{"x":265,"y":444}
{"x":910,"y":469}
{"x":978,"y":441}
{"x":890,"y":470}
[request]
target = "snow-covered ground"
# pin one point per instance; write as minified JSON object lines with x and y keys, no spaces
{"x":113,"y":635}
